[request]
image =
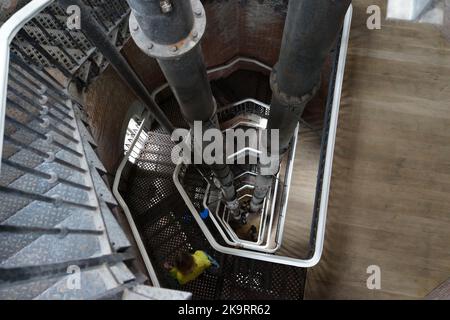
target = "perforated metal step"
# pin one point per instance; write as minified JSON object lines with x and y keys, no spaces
{"x":56,"y":208}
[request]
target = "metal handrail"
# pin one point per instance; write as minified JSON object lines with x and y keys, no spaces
{"x":7,"y":33}
{"x":119,"y":171}
{"x":236,"y":61}
{"x":124,"y":206}
{"x":213,"y":70}
{"x":308,"y":263}
{"x":318,"y":247}
{"x":245,"y":252}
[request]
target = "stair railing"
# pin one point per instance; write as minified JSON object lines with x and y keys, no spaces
{"x":324,"y":179}
{"x":126,"y":210}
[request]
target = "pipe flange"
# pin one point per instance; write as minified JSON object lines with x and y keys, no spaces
{"x":291,"y":101}
{"x":175,"y":50}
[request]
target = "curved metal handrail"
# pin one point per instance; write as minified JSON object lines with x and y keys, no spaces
{"x":237,"y":242}
{"x":236,"y":61}
{"x":213,"y":70}
{"x":267,"y":255}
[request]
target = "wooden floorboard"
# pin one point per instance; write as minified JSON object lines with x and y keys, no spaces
{"x":390,"y":195}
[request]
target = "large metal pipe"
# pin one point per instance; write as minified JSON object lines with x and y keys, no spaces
{"x":93,"y":31}
{"x":170,"y":31}
{"x":311,"y":28}
{"x":189,"y":82}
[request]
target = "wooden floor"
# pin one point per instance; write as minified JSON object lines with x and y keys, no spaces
{"x":390,"y":195}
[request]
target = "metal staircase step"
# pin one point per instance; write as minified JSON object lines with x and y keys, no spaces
{"x":75,"y":279}
{"x":92,"y":283}
{"x":28,"y":290}
{"x":38,"y":214}
{"x":55,"y":204}
{"x":141,"y":292}
{"x":48,"y":249}
{"x":46,"y":41}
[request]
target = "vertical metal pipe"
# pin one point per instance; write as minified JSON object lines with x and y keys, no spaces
{"x":93,"y":31}
{"x":310,"y":30}
{"x":170,"y":31}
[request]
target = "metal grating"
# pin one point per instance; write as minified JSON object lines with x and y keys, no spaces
{"x":167,"y":227}
{"x":324,"y":144}
{"x":46,"y":41}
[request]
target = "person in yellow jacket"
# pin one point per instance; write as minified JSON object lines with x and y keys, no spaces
{"x":189,"y":267}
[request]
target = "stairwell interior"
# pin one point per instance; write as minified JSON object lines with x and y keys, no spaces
{"x":87,"y":178}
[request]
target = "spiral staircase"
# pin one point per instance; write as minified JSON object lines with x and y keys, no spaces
{"x":59,"y":217}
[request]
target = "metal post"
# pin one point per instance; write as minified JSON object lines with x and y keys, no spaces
{"x":93,"y":31}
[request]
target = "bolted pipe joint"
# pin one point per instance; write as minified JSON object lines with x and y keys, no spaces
{"x":295,"y":101}
{"x":167,"y":29}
